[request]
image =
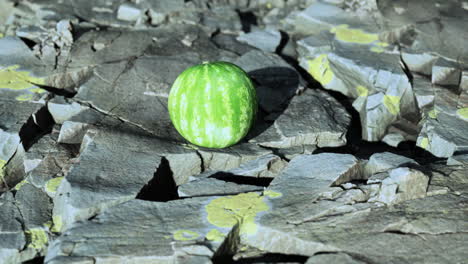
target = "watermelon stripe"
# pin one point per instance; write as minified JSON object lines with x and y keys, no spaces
{"x":213,"y":104}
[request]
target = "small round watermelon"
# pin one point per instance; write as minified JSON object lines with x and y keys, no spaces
{"x":213,"y":104}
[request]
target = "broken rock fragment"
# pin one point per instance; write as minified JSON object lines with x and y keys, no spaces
{"x":311,"y":118}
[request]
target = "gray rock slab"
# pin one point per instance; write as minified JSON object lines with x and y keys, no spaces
{"x":445,"y":72}
{"x":15,"y":115}
{"x":401,"y":234}
{"x":311,"y":118}
{"x":451,"y":21}
{"x":308,"y":178}
{"x":338,"y":258}
{"x":402,"y":184}
{"x":72,"y":132}
{"x":383,"y":93}
{"x":444,"y":135}
{"x":419,"y":62}
{"x":35,"y":206}
{"x":461,"y":160}
{"x":276,"y":81}
{"x":222,"y":18}
{"x":112,"y":167}
{"x":230,"y":43}
{"x":213,"y":187}
{"x":267,"y":40}
{"x":385,"y":161}
{"x":450,"y":178}
{"x":424,"y":92}
{"x":12,"y":237}
{"x":266,"y":166}
{"x":114,"y":15}
{"x":232,"y":157}
{"x":46,"y":162}
{"x":137,"y":231}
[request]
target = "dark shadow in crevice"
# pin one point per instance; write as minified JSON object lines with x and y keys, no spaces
{"x":273,"y":258}
{"x":229,"y":177}
{"x":284,"y":40}
{"x":248,"y":19}
{"x":37,"y":125}
{"x":275,"y":86}
{"x":226,"y":251}
{"x":37,"y":260}
{"x":30,"y":43}
{"x":162,"y":187}
{"x":364,"y":149}
{"x":62,"y":92}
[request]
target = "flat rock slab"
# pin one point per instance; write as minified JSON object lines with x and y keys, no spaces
{"x":138,"y":231}
{"x":213,"y":187}
{"x":311,"y":118}
{"x":381,"y":90}
{"x":107,"y":174}
{"x":12,"y":237}
{"x":444,"y":135}
{"x":276,"y":81}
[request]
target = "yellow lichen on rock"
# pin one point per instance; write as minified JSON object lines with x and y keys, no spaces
{"x":215,"y":235}
{"x":358,"y":36}
{"x":185,"y":235}
{"x":424,"y":143}
{"x":10,"y":78}
{"x":433,"y":113}
{"x":346,"y":34}
{"x":392,"y":103}
{"x":57,"y":223}
{"x":236,"y":209}
{"x":320,"y":69}
{"x":2,"y":168}
{"x":38,"y":238}
{"x":20,"y":184}
{"x":272,"y":194}
{"x":463,"y":113}
{"x":52,"y":184}
{"x":362,"y":91}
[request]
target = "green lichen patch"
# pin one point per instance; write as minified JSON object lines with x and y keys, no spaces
{"x":320,"y":69}
{"x":57,"y":224}
{"x":37,"y":238}
{"x":2,"y":168}
{"x":52,"y":184}
{"x":10,"y":78}
{"x":215,"y":235}
{"x":236,"y":209}
{"x":392,"y":103}
{"x":272,"y":194}
{"x":185,"y":235}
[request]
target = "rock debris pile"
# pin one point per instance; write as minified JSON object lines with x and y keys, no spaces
{"x":359,"y":153}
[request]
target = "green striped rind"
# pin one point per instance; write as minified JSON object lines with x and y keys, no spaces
{"x":213,"y":104}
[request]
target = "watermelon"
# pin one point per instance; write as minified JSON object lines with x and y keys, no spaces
{"x":213,"y":104}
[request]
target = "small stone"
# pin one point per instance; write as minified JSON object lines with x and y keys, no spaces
{"x":384,"y":161}
{"x":266,"y":40}
{"x":72,"y":132}
{"x":445,"y":72}
{"x":128,"y":13}
{"x":403,"y":184}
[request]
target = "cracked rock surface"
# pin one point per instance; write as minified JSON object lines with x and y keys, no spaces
{"x":358,"y":153}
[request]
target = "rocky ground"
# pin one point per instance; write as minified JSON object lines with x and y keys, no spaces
{"x":359,"y":154}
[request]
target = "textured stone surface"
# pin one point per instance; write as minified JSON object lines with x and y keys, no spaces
{"x":358,"y":153}
{"x":312,"y":118}
{"x":125,"y":163}
{"x":266,"y":40}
